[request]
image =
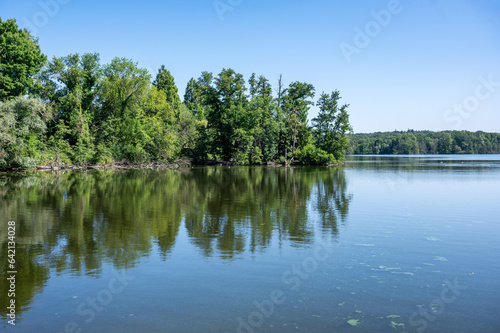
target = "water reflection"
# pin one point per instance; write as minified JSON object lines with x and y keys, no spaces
{"x":74,"y":223}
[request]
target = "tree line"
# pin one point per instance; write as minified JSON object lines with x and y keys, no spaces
{"x":75,"y":110}
{"x":425,"y":142}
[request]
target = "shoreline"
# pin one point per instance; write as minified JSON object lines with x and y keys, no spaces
{"x":125,"y":165}
{"x":121,"y":165}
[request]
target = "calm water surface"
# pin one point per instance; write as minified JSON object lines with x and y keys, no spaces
{"x":384,"y":244}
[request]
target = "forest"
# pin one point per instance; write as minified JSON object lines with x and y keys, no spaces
{"x":73,"y":110}
{"x":424,"y":142}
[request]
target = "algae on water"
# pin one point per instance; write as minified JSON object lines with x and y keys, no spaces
{"x":353,"y":322}
{"x":396,"y":325}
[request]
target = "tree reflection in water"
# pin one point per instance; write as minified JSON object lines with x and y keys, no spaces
{"x":76,"y":222}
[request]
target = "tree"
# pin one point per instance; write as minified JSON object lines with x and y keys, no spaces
{"x":190,"y":137}
{"x":70,"y":84}
{"x":445,"y":142}
{"x":20,"y":60}
{"x":295,"y":106}
{"x":332,"y":125}
{"x":263,"y":120}
{"x":121,"y":117}
{"x":165,"y":81}
{"x":201,"y":97}
{"x":160,"y":135}
{"x":22,"y":124}
{"x":425,"y":142}
{"x":225,"y":111}
{"x":193,"y":99}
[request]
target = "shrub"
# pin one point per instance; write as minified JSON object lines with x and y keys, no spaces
{"x":311,"y":155}
{"x":102,"y":155}
{"x":82,"y":153}
{"x":136,"y":154}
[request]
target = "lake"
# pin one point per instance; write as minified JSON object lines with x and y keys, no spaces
{"x":382,"y":244}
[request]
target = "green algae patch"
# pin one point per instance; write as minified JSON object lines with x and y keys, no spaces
{"x":396,"y":325}
{"x":406,"y":273}
{"x":353,"y":322}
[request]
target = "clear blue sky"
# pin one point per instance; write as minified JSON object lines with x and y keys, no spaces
{"x":426,"y":66}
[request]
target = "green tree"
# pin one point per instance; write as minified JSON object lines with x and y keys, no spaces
{"x":193,"y":99}
{"x":70,"y":85}
{"x":425,"y":142}
{"x":407,"y":144}
{"x":332,"y":125}
{"x":22,"y":124}
{"x":226,"y":111}
{"x":160,"y":134}
{"x":263,"y":118}
{"x":20,"y":60}
{"x":165,"y":81}
{"x":121,"y":118}
{"x":186,"y":126}
{"x":295,"y":105}
{"x":190,"y":136}
{"x":200,"y":97}
{"x":445,"y":142}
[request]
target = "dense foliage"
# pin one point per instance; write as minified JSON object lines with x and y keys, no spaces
{"x":75,"y":110}
{"x":20,"y":59}
{"x":425,"y":142}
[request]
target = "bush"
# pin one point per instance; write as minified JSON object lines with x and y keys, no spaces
{"x":250,"y":157}
{"x":21,"y":132}
{"x":102,"y":155}
{"x":311,"y":155}
{"x":136,"y":154}
{"x":54,"y":157}
{"x":82,"y":153}
{"x":24,"y":162}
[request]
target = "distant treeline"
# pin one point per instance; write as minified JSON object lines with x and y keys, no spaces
{"x":424,"y":142}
